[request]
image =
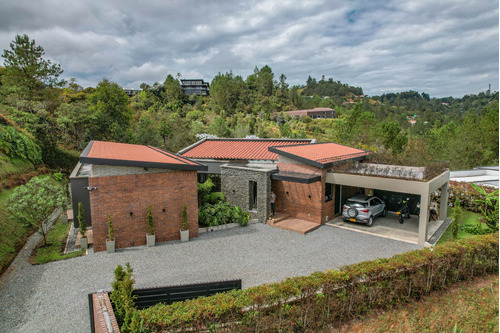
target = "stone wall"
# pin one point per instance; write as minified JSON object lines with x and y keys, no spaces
{"x":235,"y":185}
{"x":120,"y":196}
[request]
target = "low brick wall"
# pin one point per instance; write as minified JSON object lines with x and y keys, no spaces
{"x":104,"y":317}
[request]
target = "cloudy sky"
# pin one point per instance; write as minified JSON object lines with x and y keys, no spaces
{"x":445,"y":47}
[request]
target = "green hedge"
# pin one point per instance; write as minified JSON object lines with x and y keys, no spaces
{"x":309,"y":303}
{"x":60,"y":159}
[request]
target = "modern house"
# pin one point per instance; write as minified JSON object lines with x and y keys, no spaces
{"x":195,"y":87}
{"x":316,"y":113}
{"x":311,"y":180}
{"x":122,"y":180}
{"x":131,"y":92}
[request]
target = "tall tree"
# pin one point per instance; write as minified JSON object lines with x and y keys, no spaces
{"x":32,"y":204}
{"x":27,"y":73}
{"x":112,"y":117}
{"x":173,"y":93}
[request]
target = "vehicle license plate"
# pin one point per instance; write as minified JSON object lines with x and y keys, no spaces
{"x":352,"y":220}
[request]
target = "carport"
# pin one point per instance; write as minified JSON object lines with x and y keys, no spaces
{"x":416,"y":187}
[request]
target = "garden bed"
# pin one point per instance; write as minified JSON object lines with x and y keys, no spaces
{"x":224,"y":226}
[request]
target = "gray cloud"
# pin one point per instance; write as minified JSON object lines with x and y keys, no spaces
{"x":443,"y":48}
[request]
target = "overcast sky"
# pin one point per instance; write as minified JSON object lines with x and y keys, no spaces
{"x":444,"y":48}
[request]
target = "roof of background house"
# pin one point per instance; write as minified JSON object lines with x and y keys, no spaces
{"x":124,"y":154}
{"x":321,"y":155}
{"x":238,"y":149}
{"x":300,"y":112}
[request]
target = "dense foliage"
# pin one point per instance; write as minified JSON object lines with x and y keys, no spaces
{"x":405,"y":127}
{"x":16,"y":144}
{"x":32,"y":204}
{"x":214,"y":210}
{"x":309,"y":303}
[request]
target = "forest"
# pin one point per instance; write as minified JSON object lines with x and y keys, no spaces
{"x":45,"y":119}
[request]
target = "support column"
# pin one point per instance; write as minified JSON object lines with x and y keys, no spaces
{"x":443,"y":205}
{"x":424,"y":218}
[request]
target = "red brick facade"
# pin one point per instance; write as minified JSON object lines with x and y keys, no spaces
{"x":121,"y":195}
{"x":304,"y":201}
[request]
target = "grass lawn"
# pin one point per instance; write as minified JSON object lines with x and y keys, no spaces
{"x":467,"y":218}
{"x":56,"y":241}
{"x":472,"y":305}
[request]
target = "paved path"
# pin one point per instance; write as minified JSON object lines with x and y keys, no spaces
{"x":53,"y":297}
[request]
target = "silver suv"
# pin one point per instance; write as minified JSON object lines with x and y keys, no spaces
{"x":362,"y":208}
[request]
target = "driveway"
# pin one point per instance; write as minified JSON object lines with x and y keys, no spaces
{"x":389,"y":227}
{"x":53,"y":297}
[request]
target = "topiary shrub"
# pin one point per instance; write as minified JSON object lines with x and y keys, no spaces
{"x":111,"y":232}
{"x":151,"y":227}
{"x":82,"y":224}
{"x":185,"y":225}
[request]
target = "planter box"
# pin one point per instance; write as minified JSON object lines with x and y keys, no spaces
{"x":84,"y":244}
{"x":150,"y":240}
{"x":184,"y":235}
{"x":224,"y":226}
{"x":110,"y":246}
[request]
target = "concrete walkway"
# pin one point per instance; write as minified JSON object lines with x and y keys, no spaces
{"x":389,"y":227}
{"x":53,"y":297}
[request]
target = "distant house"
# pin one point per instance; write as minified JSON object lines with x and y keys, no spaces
{"x":131,"y":92}
{"x":316,"y":113}
{"x":195,"y":87}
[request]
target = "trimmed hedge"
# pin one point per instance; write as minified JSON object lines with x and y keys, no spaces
{"x":59,"y":159}
{"x":309,"y":303}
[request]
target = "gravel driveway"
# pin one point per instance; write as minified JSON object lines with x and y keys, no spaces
{"x":53,"y":297}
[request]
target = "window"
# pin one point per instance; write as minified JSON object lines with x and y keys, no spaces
{"x":328,"y":192}
{"x":252,"y":190}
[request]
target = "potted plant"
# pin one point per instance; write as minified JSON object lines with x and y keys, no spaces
{"x":110,"y":241}
{"x":185,"y":226}
{"x":150,"y":235}
{"x":83,"y":227}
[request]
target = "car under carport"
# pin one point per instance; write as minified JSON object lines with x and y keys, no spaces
{"x":417,"y":229}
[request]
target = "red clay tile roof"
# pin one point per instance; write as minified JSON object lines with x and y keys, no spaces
{"x":320,"y":154}
{"x":124,"y":154}
{"x":238,"y":149}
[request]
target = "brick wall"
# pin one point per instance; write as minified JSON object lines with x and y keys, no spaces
{"x":120,"y":195}
{"x":104,"y":317}
{"x":304,"y":201}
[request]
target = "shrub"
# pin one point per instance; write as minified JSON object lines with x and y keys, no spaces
{"x":59,"y":159}
{"x":185,"y":225}
{"x":151,"y":227}
{"x":121,"y":296}
{"x":456,"y":220}
{"x":309,"y":303}
{"x":111,"y":232}
{"x":16,"y":144}
{"x":239,"y":216}
{"x":81,"y":220}
{"x":491,"y":219}
{"x":58,"y":176}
